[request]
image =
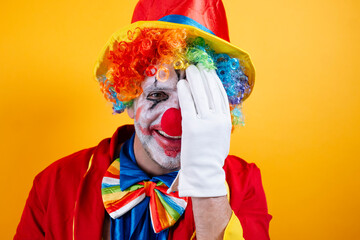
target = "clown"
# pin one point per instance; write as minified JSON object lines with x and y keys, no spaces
{"x":169,"y":176}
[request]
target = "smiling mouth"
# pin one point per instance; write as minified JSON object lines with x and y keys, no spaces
{"x":167,"y":136}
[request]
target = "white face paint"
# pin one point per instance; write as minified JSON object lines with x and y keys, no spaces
{"x":149,"y":107}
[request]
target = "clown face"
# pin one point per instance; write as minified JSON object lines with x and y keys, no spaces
{"x":157,"y":120}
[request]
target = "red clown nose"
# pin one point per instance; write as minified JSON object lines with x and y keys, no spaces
{"x":171,"y":122}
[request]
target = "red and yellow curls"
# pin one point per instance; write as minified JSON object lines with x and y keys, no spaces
{"x":131,"y":59}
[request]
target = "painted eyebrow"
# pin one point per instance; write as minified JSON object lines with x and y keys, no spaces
{"x":152,"y":88}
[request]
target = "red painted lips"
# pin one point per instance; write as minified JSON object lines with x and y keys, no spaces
{"x":171,"y":146}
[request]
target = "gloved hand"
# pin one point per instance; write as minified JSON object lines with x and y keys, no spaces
{"x":206,"y":129}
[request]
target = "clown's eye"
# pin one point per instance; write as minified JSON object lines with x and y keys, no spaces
{"x":157,"y":96}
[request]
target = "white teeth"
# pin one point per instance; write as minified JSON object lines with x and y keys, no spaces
{"x":168,"y":136}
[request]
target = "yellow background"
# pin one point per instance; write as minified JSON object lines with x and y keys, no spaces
{"x":302,"y":120}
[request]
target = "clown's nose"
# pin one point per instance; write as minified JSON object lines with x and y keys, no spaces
{"x":171,"y":122}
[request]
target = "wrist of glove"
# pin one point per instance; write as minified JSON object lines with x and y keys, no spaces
{"x":206,"y":129}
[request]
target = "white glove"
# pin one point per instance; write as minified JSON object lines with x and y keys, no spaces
{"x":206,"y":129}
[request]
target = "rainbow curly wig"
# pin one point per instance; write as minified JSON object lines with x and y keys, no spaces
{"x":132,"y":60}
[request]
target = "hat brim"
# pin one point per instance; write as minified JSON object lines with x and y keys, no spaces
{"x":217,"y":44}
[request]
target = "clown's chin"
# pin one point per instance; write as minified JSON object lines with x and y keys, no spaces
{"x":172,"y":153}
{"x":168,"y":159}
{"x":163,"y":150}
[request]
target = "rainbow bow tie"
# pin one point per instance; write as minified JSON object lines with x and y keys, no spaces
{"x":165,"y":209}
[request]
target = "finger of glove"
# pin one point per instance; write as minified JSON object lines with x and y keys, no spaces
{"x":214,"y":92}
{"x":218,"y":91}
{"x":198,"y":90}
{"x":186,"y":100}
